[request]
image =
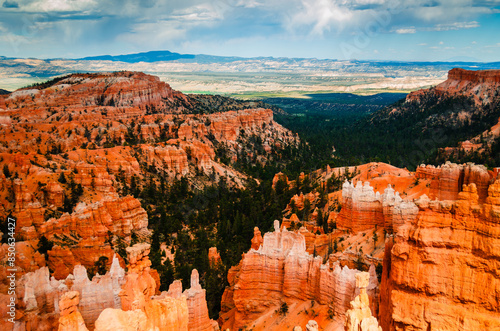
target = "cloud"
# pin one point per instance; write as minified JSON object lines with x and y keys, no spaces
{"x":455,"y":26}
{"x":406,"y":30}
{"x":10,"y":4}
{"x":41,"y":6}
{"x":319,"y":16}
{"x":153,"y":24}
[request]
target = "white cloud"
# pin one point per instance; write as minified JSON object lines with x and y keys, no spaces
{"x":455,"y":26}
{"x":57,"y":5}
{"x":406,"y":30}
{"x":441,"y":42}
{"x":422,"y":44}
{"x":319,"y":15}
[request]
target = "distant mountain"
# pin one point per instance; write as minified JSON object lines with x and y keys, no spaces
{"x":4,"y":91}
{"x":463,"y":59}
{"x":157,"y":56}
{"x":153,"y":56}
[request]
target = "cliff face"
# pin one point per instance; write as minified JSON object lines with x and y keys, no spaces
{"x":447,"y":180}
{"x":70,"y":318}
{"x":364,"y":209}
{"x":477,"y":84}
{"x":483,"y":76}
{"x":87,"y":138}
{"x":444,"y":265}
{"x":83,"y":236}
{"x":120,"y":89}
{"x":282,"y":271}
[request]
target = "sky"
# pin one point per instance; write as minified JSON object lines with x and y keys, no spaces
{"x":405,"y":30}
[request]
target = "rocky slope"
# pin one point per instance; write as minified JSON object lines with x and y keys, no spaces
{"x":72,"y":149}
{"x":481,"y":85}
{"x":77,"y":155}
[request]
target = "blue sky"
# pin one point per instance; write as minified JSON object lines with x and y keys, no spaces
{"x":422,"y":30}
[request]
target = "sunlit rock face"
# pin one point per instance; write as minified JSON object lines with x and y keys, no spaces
{"x":279,"y":270}
{"x":441,"y":272}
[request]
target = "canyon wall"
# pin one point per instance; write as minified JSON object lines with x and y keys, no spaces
{"x":447,"y":180}
{"x":480,"y":85}
{"x":364,"y":209}
{"x":441,"y":273}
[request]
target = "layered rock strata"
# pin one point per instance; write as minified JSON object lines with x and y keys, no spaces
{"x":281,"y":269}
{"x":359,"y":317}
{"x":70,"y":318}
{"x":364,"y":209}
{"x":441,"y":273}
{"x":447,"y":180}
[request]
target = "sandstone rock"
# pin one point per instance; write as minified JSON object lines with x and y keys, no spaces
{"x":443,"y":264}
{"x":139,"y":285}
{"x":363,"y":209}
{"x":119,"y":320}
{"x":478,"y":84}
{"x":70,"y":318}
{"x":447,"y":180}
{"x":359,"y":317}
{"x":312,"y":326}
{"x":257,"y":238}
{"x":197,"y":306}
{"x":42,"y":295}
{"x":213,"y":256}
{"x":281,"y":268}
{"x":280,"y":176}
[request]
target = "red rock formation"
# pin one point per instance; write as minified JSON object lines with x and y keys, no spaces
{"x":162,"y":314}
{"x":169,"y":311}
{"x":281,"y":269}
{"x":213,"y":256}
{"x":102,"y":300}
{"x":363,"y":209}
{"x":197,"y":306}
{"x":481,"y":85}
{"x":481,"y":76}
{"x":139,"y":285}
{"x":447,"y":180}
{"x":41,"y":295}
{"x":281,"y":176}
{"x":359,"y":317}
{"x":87,"y":229}
{"x":444,"y":266}
{"x":70,"y":318}
{"x":120,"y":89}
{"x":101,"y":131}
{"x":257,"y":238}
